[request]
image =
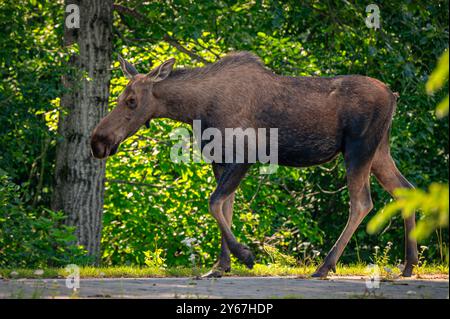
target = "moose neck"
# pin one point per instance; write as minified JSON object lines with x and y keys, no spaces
{"x":184,"y":96}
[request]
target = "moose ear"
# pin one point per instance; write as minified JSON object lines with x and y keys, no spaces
{"x":161,"y":72}
{"x":127,"y":68}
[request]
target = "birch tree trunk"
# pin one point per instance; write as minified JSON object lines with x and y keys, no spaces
{"x":79,"y":178}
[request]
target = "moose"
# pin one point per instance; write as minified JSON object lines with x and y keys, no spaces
{"x":317,"y":118}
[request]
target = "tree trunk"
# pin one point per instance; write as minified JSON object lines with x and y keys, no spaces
{"x":79,"y":178}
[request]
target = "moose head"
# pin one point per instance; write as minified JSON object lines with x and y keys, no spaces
{"x":136,"y":106}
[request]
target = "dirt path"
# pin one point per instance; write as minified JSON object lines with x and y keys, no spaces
{"x":229,"y":287}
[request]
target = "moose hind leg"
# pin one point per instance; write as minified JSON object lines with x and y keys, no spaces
{"x":390,"y":178}
{"x":360,"y":205}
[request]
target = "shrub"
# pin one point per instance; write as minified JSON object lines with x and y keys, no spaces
{"x":33,"y":236}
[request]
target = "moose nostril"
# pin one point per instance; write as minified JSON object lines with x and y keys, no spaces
{"x":99,"y":145}
{"x":98,"y":149}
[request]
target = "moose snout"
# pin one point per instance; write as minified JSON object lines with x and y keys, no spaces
{"x":103,"y":146}
{"x":98,"y":146}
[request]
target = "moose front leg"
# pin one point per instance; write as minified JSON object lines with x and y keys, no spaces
{"x":223,"y":264}
{"x":227,"y":183}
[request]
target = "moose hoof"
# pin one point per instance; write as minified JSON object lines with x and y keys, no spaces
{"x":213,"y":273}
{"x":245,"y":255}
{"x":217,"y":270}
{"x":248,"y":258}
{"x":226,"y":269}
{"x":320,"y":274}
{"x":250,"y":262}
{"x":408,"y":271}
{"x":322,"y":271}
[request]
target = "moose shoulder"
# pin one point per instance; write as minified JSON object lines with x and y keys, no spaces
{"x":317,"y":118}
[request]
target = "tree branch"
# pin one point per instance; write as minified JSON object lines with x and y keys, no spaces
{"x":332,"y":192}
{"x":173,"y":42}
{"x":119,"y":181}
{"x":167,"y":38}
{"x":128,"y":11}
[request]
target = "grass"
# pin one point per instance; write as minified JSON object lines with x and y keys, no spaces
{"x":238,"y":270}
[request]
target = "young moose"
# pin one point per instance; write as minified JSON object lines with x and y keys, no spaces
{"x":317,"y":118}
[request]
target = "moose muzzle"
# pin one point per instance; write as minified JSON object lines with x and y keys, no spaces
{"x":102,"y":146}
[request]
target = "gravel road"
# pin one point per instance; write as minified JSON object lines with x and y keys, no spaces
{"x":227,"y":287}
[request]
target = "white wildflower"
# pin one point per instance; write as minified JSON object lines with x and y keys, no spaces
{"x":189,"y":241}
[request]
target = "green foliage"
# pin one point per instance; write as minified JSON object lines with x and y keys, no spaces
{"x":278,"y":258}
{"x":432,"y":204}
{"x":153,"y":204}
{"x":30,"y":69}
{"x":154,"y":258}
{"x":419,"y":269}
{"x":437,"y":81}
{"x":33,"y":237}
{"x":382,"y":260}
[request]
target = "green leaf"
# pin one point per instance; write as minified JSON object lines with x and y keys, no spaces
{"x":440,"y":75}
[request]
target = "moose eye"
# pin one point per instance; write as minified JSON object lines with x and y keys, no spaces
{"x":131,"y":103}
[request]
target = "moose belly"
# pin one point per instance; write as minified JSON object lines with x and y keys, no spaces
{"x":307,"y":151}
